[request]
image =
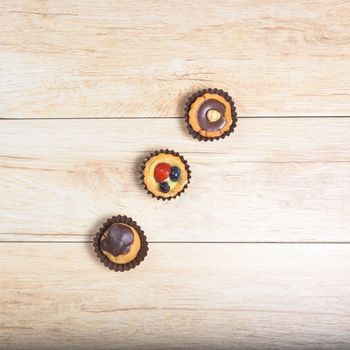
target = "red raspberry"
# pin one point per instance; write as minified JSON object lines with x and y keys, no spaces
{"x":162,"y":171}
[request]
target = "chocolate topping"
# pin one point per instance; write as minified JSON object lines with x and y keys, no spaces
{"x":118,"y":239}
{"x":202,"y":117}
{"x":202,"y":129}
{"x":102,"y":232}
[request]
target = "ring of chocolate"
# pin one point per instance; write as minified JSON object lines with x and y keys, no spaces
{"x":210,"y":114}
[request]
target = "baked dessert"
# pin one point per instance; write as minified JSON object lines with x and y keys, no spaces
{"x":210,"y":114}
{"x":120,"y":244}
{"x":165,"y":174}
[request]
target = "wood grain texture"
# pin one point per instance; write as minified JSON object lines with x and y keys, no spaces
{"x":183,"y":296}
{"x":274,"y":180}
{"x":85,"y":59}
{"x":61,"y":180}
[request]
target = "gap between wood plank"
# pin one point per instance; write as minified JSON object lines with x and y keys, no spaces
{"x":140,"y":118}
{"x":193,"y":242}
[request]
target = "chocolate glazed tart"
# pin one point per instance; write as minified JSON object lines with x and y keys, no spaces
{"x":148,"y":178}
{"x":210,"y":115}
{"x":119,"y":238}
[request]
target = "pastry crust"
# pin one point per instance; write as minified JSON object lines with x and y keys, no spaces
{"x":152,"y":186}
{"x":142,"y":249}
{"x":151,"y":183}
{"x":193,"y":121}
{"x":124,"y":258}
{"x":194,"y":116}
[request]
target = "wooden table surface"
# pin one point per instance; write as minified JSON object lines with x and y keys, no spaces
{"x":256,"y":254}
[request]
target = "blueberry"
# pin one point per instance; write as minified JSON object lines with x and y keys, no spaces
{"x":175,"y":173}
{"x":164,"y":187}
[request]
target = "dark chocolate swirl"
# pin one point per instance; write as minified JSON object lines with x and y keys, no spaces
{"x":119,"y":239}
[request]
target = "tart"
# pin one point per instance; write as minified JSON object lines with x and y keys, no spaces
{"x":120,"y":244}
{"x":210,"y":114}
{"x":165,"y":174}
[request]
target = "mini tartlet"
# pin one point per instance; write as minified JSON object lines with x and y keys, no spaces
{"x":210,"y":114}
{"x":165,"y":174}
{"x":120,"y":244}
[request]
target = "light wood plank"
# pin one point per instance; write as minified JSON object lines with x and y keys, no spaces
{"x":141,"y":58}
{"x":274,"y":180}
{"x":183,"y":296}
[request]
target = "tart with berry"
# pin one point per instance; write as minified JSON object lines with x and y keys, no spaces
{"x":210,"y":114}
{"x":120,"y":244}
{"x":165,"y":174}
